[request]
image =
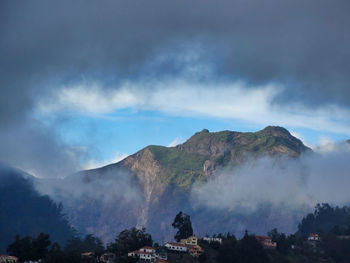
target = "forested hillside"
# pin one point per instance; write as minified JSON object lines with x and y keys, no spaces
{"x":23,"y":211}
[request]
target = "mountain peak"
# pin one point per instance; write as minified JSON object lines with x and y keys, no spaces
{"x":275,"y":130}
{"x":272,"y":140}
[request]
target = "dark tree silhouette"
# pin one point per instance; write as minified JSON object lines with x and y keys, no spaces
{"x":182,"y":222}
{"x":249,"y":250}
{"x":30,"y":249}
{"x":129,"y":240}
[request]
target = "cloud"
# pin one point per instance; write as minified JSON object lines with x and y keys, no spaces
{"x":185,"y":97}
{"x":92,"y":164}
{"x":36,"y":148}
{"x":175,"y":142}
{"x":118,"y":185}
{"x":299,"y":47}
{"x":300,"y":44}
{"x":291,"y":184}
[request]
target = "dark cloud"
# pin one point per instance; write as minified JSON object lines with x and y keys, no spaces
{"x":303,"y":44}
{"x":44,"y":44}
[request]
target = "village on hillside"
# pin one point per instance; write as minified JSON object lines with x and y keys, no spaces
{"x":136,"y":246}
{"x":173,"y":250}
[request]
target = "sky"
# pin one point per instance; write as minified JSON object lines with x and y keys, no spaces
{"x":86,"y":83}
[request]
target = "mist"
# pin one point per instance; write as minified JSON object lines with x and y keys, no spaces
{"x":295,"y":185}
{"x":106,"y":188}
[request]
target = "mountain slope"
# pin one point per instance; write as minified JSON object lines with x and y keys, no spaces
{"x":23,"y":211}
{"x":163,"y":178}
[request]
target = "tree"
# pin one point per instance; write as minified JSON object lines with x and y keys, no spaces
{"x":182,"y":222}
{"x":249,"y":250}
{"x":30,"y":249}
{"x":324,"y":219}
{"x":129,"y":240}
{"x":228,"y":249}
{"x":90,"y":243}
{"x":55,"y":255}
{"x":283,"y":243}
{"x":40,"y":246}
{"x":21,"y":248}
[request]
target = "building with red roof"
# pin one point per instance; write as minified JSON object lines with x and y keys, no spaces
{"x":266,"y":242}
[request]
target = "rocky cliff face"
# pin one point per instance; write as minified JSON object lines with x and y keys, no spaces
{"x":164,"y":177}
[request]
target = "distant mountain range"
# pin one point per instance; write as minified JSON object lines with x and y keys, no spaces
{"x":149,"y":187}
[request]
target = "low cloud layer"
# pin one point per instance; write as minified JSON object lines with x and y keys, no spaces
{"x":81,"y":187}
{"x":291,"y":185}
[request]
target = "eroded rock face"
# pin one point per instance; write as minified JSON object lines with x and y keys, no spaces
{"x":147,"y":170}
{"x":164,"y":177}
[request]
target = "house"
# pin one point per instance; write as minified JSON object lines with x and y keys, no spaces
{"x":195,"y":250}
{"x":213,"y":239}
{"x":313,"y":237}
{"x":142,"y":255}
{"x":266,"y":242}
{"x":8,"y":259}
{"x":178,"y":247}
{"x":108,"y":258}
{"x":148,"y":249}
{"x":313,"y":240}
{"x":192,"y":240}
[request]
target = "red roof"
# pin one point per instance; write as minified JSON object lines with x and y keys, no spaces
{"x":313,"y":235}
{"x":177,"y":244}
{"x":161,"y":261}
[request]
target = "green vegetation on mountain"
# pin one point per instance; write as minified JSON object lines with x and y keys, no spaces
{"x":179,"y":167}
{"x":197,"y":158}
{"x":271,"y":140}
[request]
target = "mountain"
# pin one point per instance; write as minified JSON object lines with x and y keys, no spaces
{"x":23,"y":211}
{"x":149,"y":187}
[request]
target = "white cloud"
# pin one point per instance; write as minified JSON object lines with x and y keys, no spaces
{"x":175,"y":142}
{"x":117,"y":157}
{"x":290,"y":183}
{"x":183,"y":97}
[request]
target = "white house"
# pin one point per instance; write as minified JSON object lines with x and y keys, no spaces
{"x":213,"y":239}
{"x":8,"y":259}
{"x":148,"y":249}
{"x":179,"y":247}
{"x":145,"y":256}
{"x":314,"y":237}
